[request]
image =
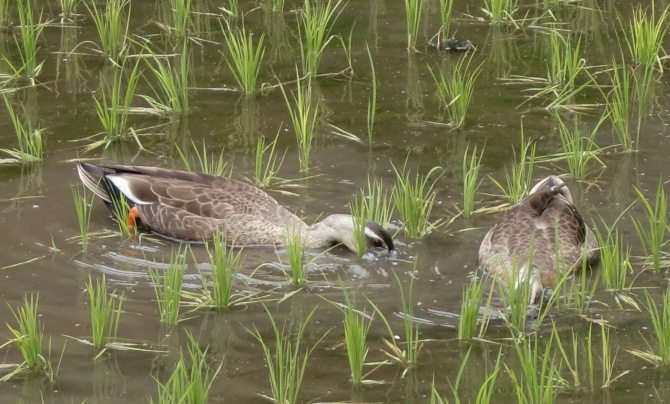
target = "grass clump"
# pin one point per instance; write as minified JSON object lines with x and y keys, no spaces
{"x":168,"y":289}
{"x":413,"y":10}
{"x":204,"y":162}
{"x":660,"y":320}
{"x":105,"y":312}
{"x":304,"y":111}
{"x":171,"y":82}
{"x":645,"y":35}
{"x":519,"y":180}
{"x":225,"y":263}
{"x":28,"y":336}
{"x":112,"y":25}
{"x":579,"y":148}
{"x":414,"y":199}
{"x":471,"y":304}
{"x":267,"y":163}
{"x":30,"y":30}
{"x":244,"y":57}
{"x":356,"y":327}
{"x":83,"y":206}
{"x":191,"y":379}
{"x":113,"y":105}
{"x":30,"y":148}
{"x":471,"y":182}
{"x":615,"y":265}
{"x":500,"y":10}
{"x":296,"y":257}
{"x":407,"y":355}
{"x":653,"y":237}
{"x":287,"y":362}
{"x":619,"y":104}
{"x":539,"y":380}
{"x":318,"y":18}
{"x":455,"y":89}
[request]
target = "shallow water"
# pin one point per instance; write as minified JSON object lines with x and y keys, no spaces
{"x":42,"y":254}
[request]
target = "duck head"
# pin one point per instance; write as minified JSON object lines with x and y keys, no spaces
{"x":340,"y":229}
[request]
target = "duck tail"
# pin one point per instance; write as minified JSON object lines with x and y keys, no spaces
{"x":93,"y":178}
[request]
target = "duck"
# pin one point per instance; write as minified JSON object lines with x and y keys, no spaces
{"x":194,"y":207}
{"x":539,"y":240}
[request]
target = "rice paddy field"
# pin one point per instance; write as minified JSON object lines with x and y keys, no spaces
{"x":431,"y":117}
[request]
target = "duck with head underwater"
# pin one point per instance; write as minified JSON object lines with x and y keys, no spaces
{"x":539,"y":240}
{"x":193,"y":207}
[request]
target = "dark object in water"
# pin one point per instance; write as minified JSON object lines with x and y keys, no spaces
{"x":451,"y":45}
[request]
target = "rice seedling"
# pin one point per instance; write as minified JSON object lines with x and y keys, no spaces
{"x":83,"y":204}
{"x":30,"y":148}
{"x":582,"y":288}
{"x":436,"y":398}
{"x":372,"y":101}
{"x":488,"y":387}
{"x":4,"y":12}
{"x":233,"y":9}
{"x":653,"y":236}
{"x":356,"y":327}
{"x":244,"y":57}
{"x":188,"y":383}
{"x":579,"y":359}
{"x":112,"y":26}
{"x":619,"y":104}
{"x":645,"y":34}
{"x":659,"y":354}
{"x":171,"y":88}
{"x":182,"y":23}
{"x":500,"y":10}
{"x":378,"y":204}
{"x":113,"y":106}
{"x":539,"y":379}
{"x":287,"y":362}
{"x":455,"y":89}
{"x":68,"y":7}
{"x":30,"y":30}
{"x":318,"y":18}
{"x":205,"y":162}
{"x":565,"y":61}
{"x":471,"y":182}
{"x":304,"y":111}
{"x":615,"y":265}
{"x":472,"y":301}
{"x":516,"y":292}
{"x":608,"y":359}
{"x":407,"y":357}
{"x":28,"y":336}
{"x":105,"y":312}
{"x":296,"y":257}
{"x":446,"y":8}
{"x":267,"y":163}
{"x":414,"y":199}
{"x":274,"y":5}
{"x":359,"y":212}
{"x":519,"y":180}
{"x":579,"y":149}
{"x":168,"y":289}
{"x":123,"y":217}
{"x":225,"y":264}
{"x":413,"y":9}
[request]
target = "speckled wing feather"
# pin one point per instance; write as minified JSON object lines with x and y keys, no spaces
{"x":192,"y":206}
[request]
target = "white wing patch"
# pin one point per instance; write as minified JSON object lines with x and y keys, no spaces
{"x":123,"y":185}
{"x":372,"y":234}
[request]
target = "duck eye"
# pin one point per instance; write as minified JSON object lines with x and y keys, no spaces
{"x":378,"y":243}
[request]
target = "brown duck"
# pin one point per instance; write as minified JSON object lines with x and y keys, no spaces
{"x":192,"y":207}
{"x":539,"y":240}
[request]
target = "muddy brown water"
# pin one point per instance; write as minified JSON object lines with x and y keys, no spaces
{"x":40,"y":253}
